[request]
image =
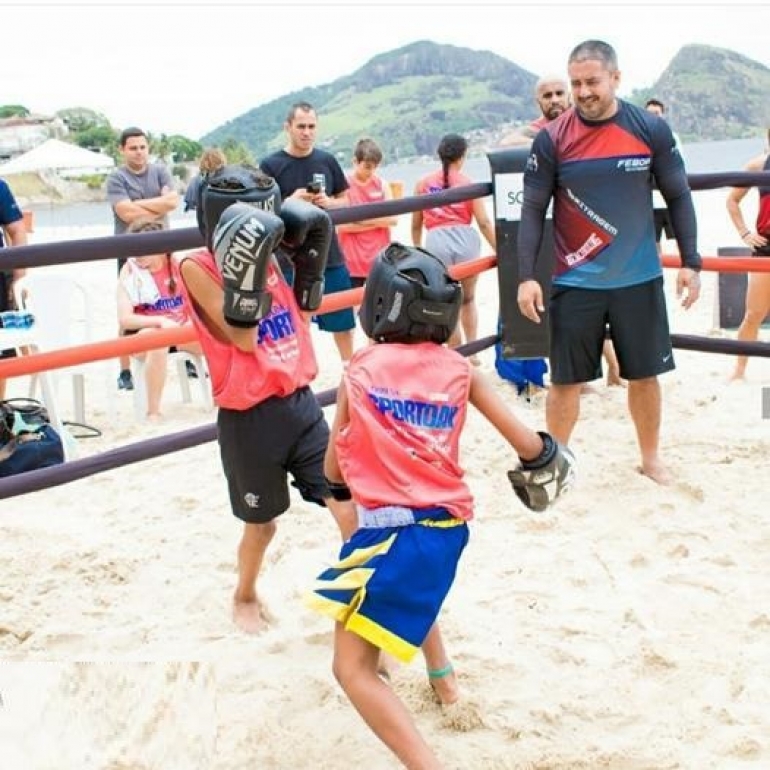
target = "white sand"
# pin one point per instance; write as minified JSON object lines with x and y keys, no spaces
{"x":628,"y":628}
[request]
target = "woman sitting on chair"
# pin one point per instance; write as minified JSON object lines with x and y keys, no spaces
{"x":149,"y":297}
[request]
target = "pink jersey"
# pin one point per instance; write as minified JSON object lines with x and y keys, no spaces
{"x":282,"y":360}
{"x":150,"y":292}
{"x":361,"y":248}
{"x":763,"y":214}
{"x":444,"y":216}
{"x":407,"y":409}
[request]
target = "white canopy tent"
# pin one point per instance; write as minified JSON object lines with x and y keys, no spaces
{"x":63,"y":158}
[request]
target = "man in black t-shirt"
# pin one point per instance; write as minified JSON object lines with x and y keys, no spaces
{"x":302,"y":171}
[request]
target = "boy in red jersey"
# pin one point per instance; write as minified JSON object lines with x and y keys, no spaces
{"x":394,"y":454}
{"x":260,"y":357}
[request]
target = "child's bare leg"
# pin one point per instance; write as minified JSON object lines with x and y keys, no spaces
{"x":441,"y":674}
{"x":248,"y":612}
{"x":344,"y":513}
{"x":355,"y":667}
{"x":613,"y":367}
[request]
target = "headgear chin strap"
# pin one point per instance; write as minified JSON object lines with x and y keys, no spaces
{"x":409,"y":297}
{"x":234,"y":184}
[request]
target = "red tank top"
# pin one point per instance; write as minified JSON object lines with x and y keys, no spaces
{"x":443,"y":216}
{"x":763,"y":215}
{"x":407,"y":406}
{"x":360,"y":249}
{"x":282,"y":360}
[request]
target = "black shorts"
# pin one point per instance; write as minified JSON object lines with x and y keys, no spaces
{"x":638,"y":323}
{"x":357,"y":281}
{"x":662,"y":224}
{"x":261,"y":445}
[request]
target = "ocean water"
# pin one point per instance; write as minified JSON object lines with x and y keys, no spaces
{"x":86,"y":220}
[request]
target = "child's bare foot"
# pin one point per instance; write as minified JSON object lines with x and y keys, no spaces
{"x":657,"y":472}
{"x":252,"y":617}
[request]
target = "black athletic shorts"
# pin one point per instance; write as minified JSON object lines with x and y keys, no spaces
{"x":260,"y":446}
{"x":662,"y":224}
{"x":638,"y":324}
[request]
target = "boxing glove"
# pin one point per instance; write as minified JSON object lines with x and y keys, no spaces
{"x":233,"y":184}
{"x":540,"y":482}
{"x":309,"y":232}
{"x":243,"y":244}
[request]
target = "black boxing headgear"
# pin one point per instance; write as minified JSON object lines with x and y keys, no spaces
{"x":234,"y":184}
{"x":409,"y":297}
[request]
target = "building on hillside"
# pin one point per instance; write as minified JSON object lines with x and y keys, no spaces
{"x":19,"y":135}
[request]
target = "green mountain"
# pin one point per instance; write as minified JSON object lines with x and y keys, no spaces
{"x":714,"y":93}
{"x":408,"y":98}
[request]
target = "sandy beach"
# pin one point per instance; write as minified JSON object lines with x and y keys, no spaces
{"x":627,"y":628}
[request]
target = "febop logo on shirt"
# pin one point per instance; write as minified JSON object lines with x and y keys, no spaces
{"x":634,"y":164}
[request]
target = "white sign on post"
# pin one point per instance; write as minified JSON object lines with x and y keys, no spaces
{"x":509,"y":195}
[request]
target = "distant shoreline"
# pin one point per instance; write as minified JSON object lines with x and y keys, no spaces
{"x":48,"y":188}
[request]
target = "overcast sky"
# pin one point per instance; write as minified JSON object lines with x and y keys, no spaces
{"x":186,"y":67}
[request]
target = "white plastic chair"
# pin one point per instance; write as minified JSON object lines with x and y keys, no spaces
{"x":63,"y":318}
{"x":181,"y":358}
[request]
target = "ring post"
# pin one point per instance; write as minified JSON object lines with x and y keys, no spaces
{"x":521,"y":338}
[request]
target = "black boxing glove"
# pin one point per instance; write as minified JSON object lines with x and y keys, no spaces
{"x":541,"y":482}
{"x":233,"y":184}
{"x":309,"y":232}
{"x":243,"y":244}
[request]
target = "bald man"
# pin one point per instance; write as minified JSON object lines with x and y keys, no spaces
{"x":552,"y":97}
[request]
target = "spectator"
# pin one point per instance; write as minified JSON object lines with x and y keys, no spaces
{"x":758,"y":239}
{"x":211,"y":160}
{"x":450,"y":234}
{"x":12,"y":233}
{"x":552,"y":97}
{"x":306,"y":173}
{"x":138,"y":189}
{"x":149,"y":297}
{"x":362,"y":241}
{"x":663,"y":224}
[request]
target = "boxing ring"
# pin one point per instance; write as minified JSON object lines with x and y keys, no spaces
{"x":112,"y":247}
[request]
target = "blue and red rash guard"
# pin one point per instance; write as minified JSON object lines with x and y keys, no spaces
{"x":600,"y":176}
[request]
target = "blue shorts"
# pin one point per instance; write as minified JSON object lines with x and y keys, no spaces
{"x":390,"y":582}
{"x":336,"y":279}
